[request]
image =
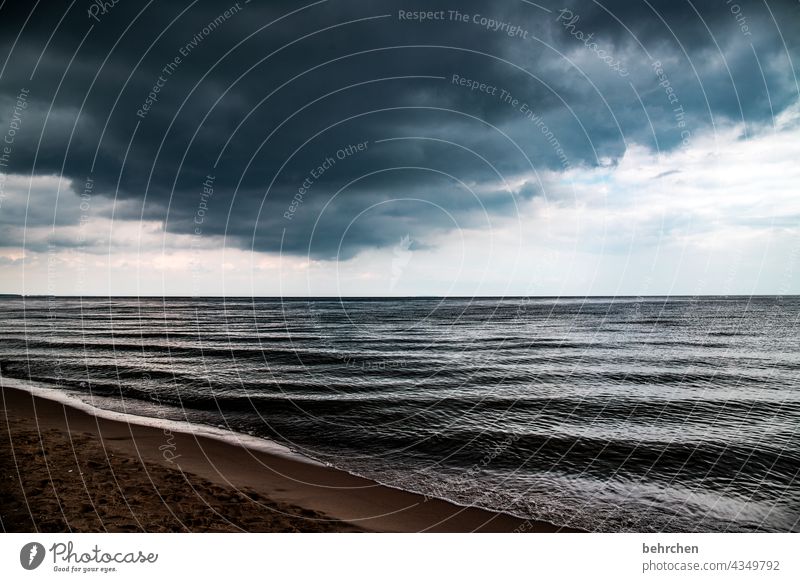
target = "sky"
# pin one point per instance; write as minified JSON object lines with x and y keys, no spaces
{"x":343,"y":148}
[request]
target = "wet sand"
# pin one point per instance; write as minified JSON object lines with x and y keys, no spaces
{"x":65,"y":469}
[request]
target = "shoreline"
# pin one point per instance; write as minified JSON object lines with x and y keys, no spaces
{"x":242,"y":474}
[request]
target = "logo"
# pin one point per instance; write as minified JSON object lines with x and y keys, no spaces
{"x":31,"y":555}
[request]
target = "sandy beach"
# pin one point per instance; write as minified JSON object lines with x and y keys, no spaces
{"x":65,"y":469}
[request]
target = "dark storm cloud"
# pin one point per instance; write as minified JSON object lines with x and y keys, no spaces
{"x":261,"y":108}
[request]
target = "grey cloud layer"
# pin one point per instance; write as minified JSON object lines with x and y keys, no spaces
{"x":274,"y":102}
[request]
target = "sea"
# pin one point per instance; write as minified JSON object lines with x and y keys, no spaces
{"x":610,"y":414}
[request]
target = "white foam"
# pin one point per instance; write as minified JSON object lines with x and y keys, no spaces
{"x":199,"y":430}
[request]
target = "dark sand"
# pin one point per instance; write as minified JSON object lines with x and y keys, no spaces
{"x":63,"y":469}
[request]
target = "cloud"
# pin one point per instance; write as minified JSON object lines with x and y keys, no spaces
{"x":725,"y":204}
{"x":687,"y":221}
{"x":147,"y":101}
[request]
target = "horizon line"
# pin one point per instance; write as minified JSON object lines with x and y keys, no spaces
{"x":655,"y":295}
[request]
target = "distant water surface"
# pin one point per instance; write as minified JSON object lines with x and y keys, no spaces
{"x":625,"y":414}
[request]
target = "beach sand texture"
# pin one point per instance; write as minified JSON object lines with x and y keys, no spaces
{"x":64,"y":469}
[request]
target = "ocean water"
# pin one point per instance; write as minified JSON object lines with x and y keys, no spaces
{"x":609,"y":414}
